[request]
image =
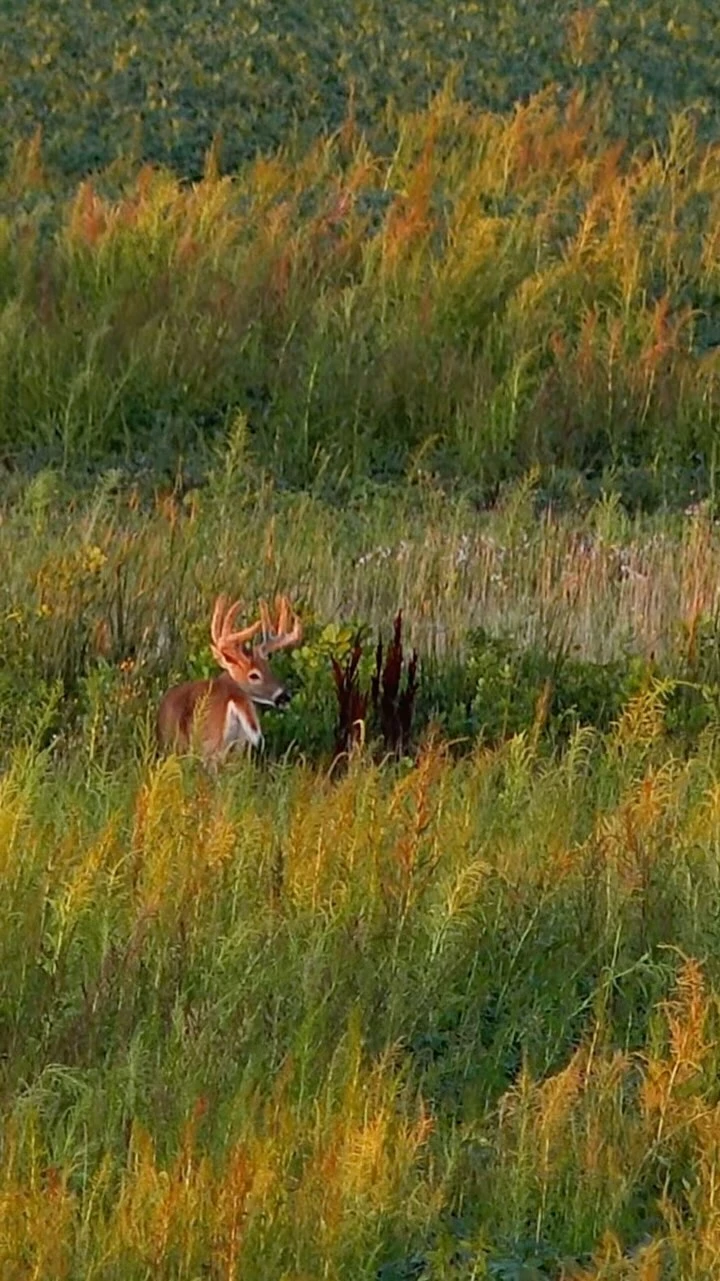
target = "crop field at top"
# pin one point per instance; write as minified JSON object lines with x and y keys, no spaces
{"x":410,"y":312}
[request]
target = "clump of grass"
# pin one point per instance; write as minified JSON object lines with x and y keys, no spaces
{"x":393,"y":701}
{"x":498,"y":292}
{"x":352,"y":701}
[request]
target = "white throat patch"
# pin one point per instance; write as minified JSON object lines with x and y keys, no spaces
{"x":239,"y":728}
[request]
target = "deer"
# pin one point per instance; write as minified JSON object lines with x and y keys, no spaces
{"x":220,"y":712}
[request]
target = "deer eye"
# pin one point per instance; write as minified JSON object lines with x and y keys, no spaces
{"x":254,"y":676}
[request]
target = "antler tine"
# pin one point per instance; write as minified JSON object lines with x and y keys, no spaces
{"x":245,"y":633}
{"x":222,"y":623}
{"x":218,"y":620}
{"x":280,"y":635}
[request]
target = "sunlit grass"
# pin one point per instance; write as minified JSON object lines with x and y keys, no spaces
{"x":275,"y":1023}
{"x":310,"y":1022}
{"x":445,"y":1016}
{"x":498,"y":292}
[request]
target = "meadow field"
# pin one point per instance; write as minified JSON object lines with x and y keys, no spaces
{"x":433,"y":996}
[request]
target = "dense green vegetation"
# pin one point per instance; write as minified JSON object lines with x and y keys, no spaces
{"x":160,"y":80}
{"x":439,"y":1013}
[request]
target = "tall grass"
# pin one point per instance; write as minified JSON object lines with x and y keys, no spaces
{"x":499,"y":291}
{"x":111,"y":585}
{"x":452,"y":1016}
{"x":407,"y":1023}
{"x":446,"y":1018}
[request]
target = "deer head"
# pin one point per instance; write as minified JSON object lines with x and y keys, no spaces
{"x":244,"y":658}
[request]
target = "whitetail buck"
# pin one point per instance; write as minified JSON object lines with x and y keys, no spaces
{"x":220,"y":712}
